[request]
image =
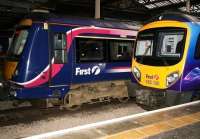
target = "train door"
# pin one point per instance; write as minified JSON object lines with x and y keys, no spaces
{"x":60,"y":57}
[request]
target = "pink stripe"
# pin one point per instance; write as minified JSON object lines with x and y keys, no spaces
{"x":44,"y":77}
{"x":121,"y":68}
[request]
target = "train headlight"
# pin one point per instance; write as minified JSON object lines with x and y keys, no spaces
{"x":172,"y":78}
{"x":137,"y":73}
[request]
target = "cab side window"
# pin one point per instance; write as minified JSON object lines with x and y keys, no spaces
{"x":59,"y":49}
{"x":197,"y":50}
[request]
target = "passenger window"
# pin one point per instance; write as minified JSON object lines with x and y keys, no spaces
{"x":90,"y":50}
{"x":121,"y":50}
{"x":60,"y":51}
{"x":197,"y":51}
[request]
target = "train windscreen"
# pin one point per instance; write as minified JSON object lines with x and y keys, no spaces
{"x":18,"y":43}
{"x":161,"y":47}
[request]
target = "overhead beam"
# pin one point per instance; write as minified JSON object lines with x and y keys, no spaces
{"x":137,"y":6}
{"x":173,"y":6}
{"x":15,"y":4}
{"x":106,"y":2}
{"x":128,"y":10}
{"x":153,"y":2}
{"x":7,"y":11}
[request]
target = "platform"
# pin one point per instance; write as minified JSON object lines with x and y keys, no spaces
{"x":180,"y":121}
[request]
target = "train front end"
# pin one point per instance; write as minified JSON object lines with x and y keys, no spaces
{"x":14,"y":54}
{"x":16,"y":48}
{"x":25,"y":59}
{"x":159,"y":62}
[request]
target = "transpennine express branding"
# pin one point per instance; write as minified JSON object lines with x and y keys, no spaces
{"x":89,"y":71}
{"x":152,"y":79}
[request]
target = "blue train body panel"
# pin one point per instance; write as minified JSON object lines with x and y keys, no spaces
{"x":191,"y":80}
{"x":38,"y":75}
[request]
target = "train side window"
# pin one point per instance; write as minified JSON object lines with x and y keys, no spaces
{"x":59,"y":48}
{"x":90,"y":50}
{"x":120,"y":50}
{"x":197,"y":50}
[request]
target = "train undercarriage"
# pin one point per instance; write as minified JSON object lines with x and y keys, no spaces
{"x":90,"y":93}
{"x":106,"y":91}
{"x":151,"y":99}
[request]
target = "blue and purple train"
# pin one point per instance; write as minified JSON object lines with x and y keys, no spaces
{"x":166,"y":62}
{"x":74,"y":61}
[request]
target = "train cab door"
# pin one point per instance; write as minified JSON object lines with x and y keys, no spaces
{"x":60,"y":57}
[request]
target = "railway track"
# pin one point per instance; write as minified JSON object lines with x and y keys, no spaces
{"x":27,"y":113}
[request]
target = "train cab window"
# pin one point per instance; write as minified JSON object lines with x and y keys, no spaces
{"x":120,"y":50}
{"x":171,"y":44}
{"x":160,"y":47}
{"x":197,"y":51}
{"x":60,"y":53}
{"x":144,"y":46}
{"x":90,"y":50}
{"x":18,"y":42}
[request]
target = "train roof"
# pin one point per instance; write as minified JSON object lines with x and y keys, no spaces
{"x":96,"y":22}
{"x":182,"y":17}
{"x":131,"y":25}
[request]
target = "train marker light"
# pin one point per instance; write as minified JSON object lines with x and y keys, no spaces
{"x":45,"y":26}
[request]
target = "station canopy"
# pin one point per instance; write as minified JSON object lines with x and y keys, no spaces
{"x":179,"y":5}
{"x":132,"y":10}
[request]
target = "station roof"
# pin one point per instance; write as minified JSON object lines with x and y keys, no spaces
{"x":125,"y":10}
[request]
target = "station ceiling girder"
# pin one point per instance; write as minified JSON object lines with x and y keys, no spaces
{"x":138,"y":10}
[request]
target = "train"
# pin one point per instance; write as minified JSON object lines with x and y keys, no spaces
{"x":70,"y":61}
{"x":166,"y":60}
